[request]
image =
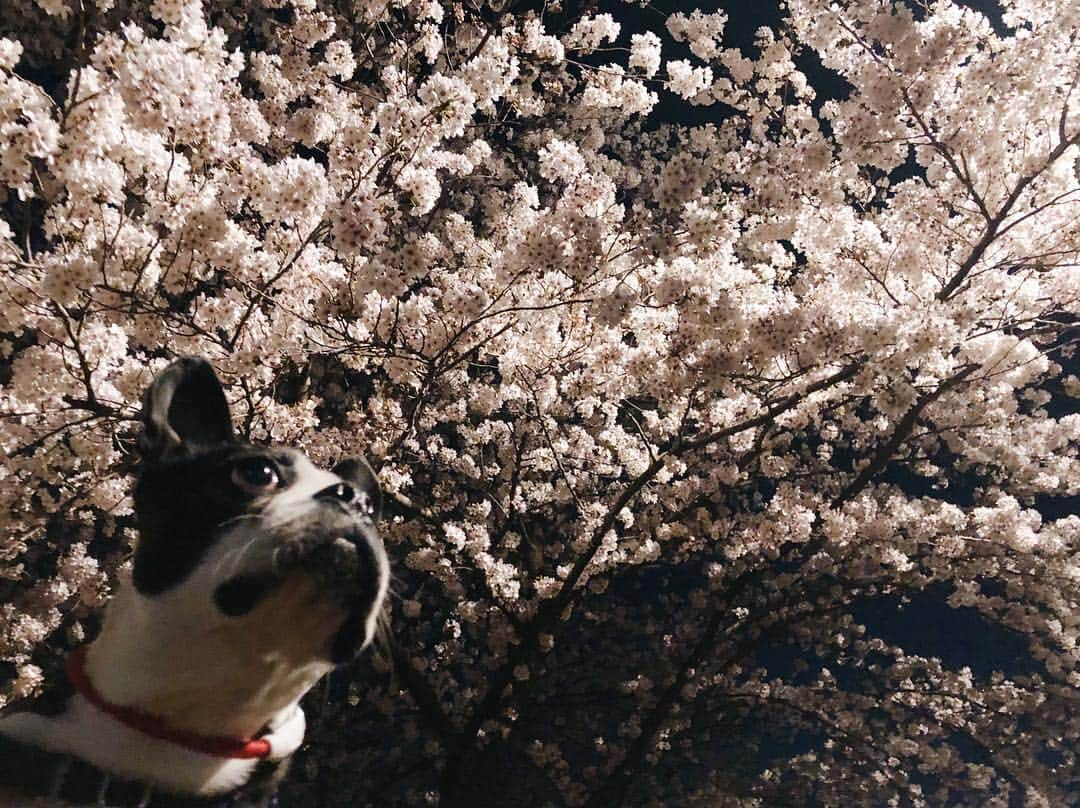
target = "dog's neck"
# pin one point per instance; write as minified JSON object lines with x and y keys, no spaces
{"x":198,"y":673}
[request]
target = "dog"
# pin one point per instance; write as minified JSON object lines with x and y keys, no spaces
{"x":254,"y":574}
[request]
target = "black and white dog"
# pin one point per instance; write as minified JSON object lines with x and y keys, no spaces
{"x":254,"y":574}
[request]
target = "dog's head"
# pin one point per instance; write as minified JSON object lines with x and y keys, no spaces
{"x":226,"y":526}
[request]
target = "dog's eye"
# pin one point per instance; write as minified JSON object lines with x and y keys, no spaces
{"x":256,"y":476}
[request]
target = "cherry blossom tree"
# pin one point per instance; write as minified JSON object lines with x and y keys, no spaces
{"x":674,"y":411}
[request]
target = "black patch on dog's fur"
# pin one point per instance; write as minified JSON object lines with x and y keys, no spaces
{"x":349,"y":638}
{"x":184,"y":409}
{"x":181,"y":506}
{"x":239,"y":595}
{"x":351,"y":635}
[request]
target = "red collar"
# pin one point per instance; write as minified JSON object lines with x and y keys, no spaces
{"x":151,"y":725}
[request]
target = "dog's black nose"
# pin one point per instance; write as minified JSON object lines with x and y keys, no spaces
{"x":339,"y":492}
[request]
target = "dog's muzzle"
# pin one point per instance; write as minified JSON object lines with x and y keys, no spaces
{"x":344,"y":563}
{"x":341,"y":553}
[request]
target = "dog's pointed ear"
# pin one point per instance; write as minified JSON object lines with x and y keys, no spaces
{"x":184,"y":410}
